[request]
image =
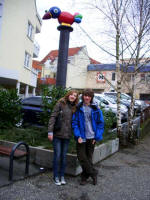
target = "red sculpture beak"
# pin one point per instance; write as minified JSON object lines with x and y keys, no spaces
{"x":47,"y":15}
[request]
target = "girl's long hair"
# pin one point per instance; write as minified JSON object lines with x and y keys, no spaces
{"x":66,"y":98}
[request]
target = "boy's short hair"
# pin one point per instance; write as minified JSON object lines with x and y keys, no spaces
{"x":88,"y":92}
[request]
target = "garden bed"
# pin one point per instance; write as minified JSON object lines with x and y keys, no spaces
{"x":44,"y":157}
{"x":37,"y":137}
{"x":42,"y":151}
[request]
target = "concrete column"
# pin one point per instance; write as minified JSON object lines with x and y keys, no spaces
{"x":18,"y":87}
{"x":33,"y":91}
{"x":27,"y":91}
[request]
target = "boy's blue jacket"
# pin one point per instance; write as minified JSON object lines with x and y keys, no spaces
{"x":78,"y":122}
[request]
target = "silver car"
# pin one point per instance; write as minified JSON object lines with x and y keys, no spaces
{"x":110,"y":104}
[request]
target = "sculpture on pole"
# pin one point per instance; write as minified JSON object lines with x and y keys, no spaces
{"x":65,"y":20}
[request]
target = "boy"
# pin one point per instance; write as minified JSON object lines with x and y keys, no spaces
{"x":88,"y":127}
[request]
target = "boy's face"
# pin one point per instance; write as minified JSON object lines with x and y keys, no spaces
{"x":87,"y":99}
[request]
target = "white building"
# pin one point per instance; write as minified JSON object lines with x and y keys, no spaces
{"x":19,"y":22}
{"x":78,"y":60}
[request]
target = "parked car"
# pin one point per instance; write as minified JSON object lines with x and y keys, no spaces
{"x":126,"y":100}
{"x":32,"y":107}
{"x":109,"y":104}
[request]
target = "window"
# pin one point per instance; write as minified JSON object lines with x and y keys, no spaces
{"x":30,"y":30}
{"x":113,"y":76}
{"x":27,"y":59}
{"x":142,"y":77}
{"x":47,"y":76}
{"x":1,"y":9}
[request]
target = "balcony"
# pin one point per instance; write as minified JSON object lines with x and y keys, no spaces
{"x":48,"y":81}
{"x":36,"y":50}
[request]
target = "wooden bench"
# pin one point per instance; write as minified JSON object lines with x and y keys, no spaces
{"x":15,"y":153}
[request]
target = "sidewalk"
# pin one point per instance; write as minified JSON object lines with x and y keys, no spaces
{"x":18,"y":170}
{"x":123,"y":176}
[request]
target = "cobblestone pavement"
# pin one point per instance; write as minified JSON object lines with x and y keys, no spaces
{"x":123,"y":176}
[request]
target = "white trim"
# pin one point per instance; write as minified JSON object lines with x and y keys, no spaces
{"x":9,"y":73}
{"x":18,"y":87}
{"x":30,"y":30}
{"x":27,"y":91}
{"x":27,"y":60}
{"x":33,"y":91}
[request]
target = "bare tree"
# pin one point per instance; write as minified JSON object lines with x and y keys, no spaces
{"x":114,"y":12}
{"x":138,"y":19}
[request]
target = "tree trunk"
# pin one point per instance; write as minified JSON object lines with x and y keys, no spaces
{"x":118,"y":71}
{"x":131,"y":136}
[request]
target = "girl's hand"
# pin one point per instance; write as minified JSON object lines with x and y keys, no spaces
{"x":94,"y":141}
{"x":80,"y":140}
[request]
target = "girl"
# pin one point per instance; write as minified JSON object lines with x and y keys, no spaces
{"x":61,"y":137}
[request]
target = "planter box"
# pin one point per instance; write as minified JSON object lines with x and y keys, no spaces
{"x":44,"y":158}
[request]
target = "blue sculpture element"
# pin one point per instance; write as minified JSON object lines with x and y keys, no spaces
{"x":55,"y":12}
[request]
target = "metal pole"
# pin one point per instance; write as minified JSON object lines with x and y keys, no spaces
{"x":63,"y":55}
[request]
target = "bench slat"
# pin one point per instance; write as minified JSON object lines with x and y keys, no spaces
{"x":7,"y":151}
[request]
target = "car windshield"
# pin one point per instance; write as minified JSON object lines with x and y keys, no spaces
{"x":35,"y":101}
{"x":111,"y":100}
{"x":125,"y":97}
{"x":32,"y":101}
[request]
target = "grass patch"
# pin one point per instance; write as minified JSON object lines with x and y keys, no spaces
{"x":34,"y":136}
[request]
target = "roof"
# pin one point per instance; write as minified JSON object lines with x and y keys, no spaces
{"x":112,"y":67}
{"x":54,"y":53}
{"x":36,"y":65}
{"x":92,"y":61}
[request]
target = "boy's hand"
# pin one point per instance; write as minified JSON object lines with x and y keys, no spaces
{"x":50,"y":137}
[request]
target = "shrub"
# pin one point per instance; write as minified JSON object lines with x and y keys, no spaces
{"x":35,"y":136}
{"x":10,"y":108}
{"x":54,"y":93}
{"x":109,"y":119}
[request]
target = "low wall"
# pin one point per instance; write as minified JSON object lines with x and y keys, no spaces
{"x":43,"y":157}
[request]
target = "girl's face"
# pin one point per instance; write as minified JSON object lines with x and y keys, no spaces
{"x":72,"y":97}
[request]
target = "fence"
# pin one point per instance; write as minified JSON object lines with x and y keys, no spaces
{"x":137,"y":122}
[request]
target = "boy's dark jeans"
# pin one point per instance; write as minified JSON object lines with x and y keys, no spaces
{"x":85,"y":152}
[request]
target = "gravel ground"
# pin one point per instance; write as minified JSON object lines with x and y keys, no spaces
{"x":123,"y":176}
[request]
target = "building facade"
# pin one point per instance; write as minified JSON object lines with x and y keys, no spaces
{"x":84,"y":72}
{"x":78,"y":60}
{"x":102,"y":78}
{"x":19,"y":22}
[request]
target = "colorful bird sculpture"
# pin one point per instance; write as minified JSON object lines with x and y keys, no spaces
{"x":64,"y":18}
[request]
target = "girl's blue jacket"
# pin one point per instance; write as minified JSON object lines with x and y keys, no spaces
{"x":78,"y":122}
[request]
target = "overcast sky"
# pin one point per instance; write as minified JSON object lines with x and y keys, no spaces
{"x":48,"y":39}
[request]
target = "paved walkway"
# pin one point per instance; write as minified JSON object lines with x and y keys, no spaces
{"x":18,"y":170}
{"x":123,"y":176}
